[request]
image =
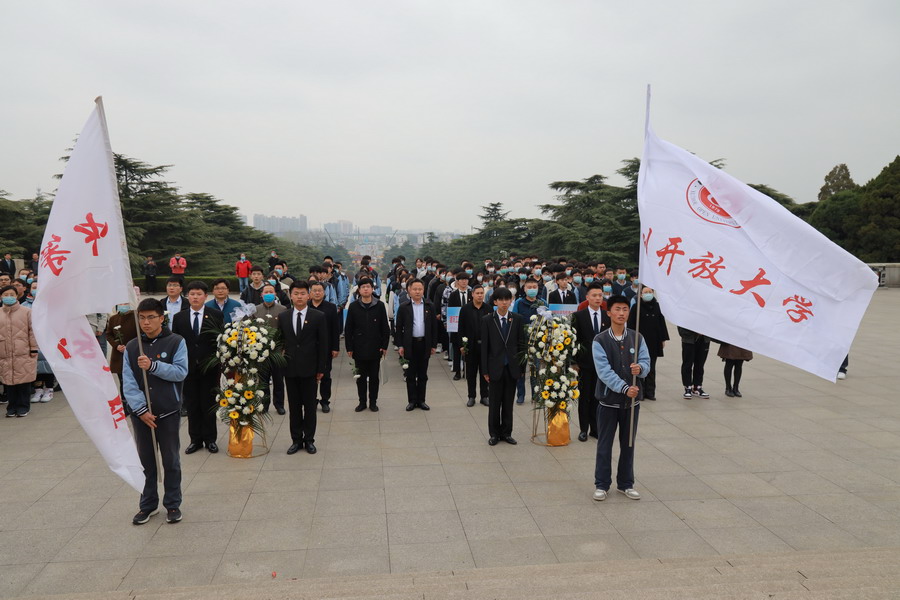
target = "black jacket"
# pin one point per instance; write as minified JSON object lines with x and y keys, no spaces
{"x":8,"y":267}
{"x":331,"y":319}
{"x":306,"y":354}
{"x":496,"y":352}
{"x":455,"y":298}
{"x":583,"y":324}
{"x":653,"y":326}
{"x":200,"y":348}
{"x":367,"y":331}
{"x":403,"y":334}
{"x":555,"y":297}
{"x":470,"y":325}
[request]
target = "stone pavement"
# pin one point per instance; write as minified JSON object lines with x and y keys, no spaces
{"x":797,"y":464}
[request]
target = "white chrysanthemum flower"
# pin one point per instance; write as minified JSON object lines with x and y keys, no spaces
{"x":231,"y":362}
{"x":260,"y":394}
{"x":537,"y":388}
{"x":233,"y":400}
{"x":254,"y":370}
{"x":272,"y":345}
{"x":549,"y":403}
{"x":563,"y":378}
{"x":244,"y":422}
{"x":553,"y":369}
{"x":254,"y":355}
{"x":554,"y":395}
{"x":265,"y":354}
{"x":260,"y":320}
{"x":555,"y":385}
{"x":239,"y":386}
{"x":254,"y":328}
{"x":465,"y":339}
{"x":542,"y":345}
{"x":250,"y":383}
{"x":237,"y":360}
{"x":246,"y":410}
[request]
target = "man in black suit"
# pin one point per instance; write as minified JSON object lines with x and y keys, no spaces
{"x":8,"y":265}
{"x":306,"y":346}
{"x":367,"y":334}
{"x":416,"y":336}
{"x":588,"y":323}
{"x":318,"y":302}
{"x":457,"y":299}
{"x":200,"y":325}
{"x":470,"y":335}
{"x":502,"y":357}
{"x":563,"y":294}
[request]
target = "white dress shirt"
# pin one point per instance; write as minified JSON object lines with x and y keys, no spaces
{"x":302,"y":314}
{"x":418,"y":326}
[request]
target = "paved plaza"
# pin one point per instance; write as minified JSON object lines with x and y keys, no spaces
{"x":797,"y":464}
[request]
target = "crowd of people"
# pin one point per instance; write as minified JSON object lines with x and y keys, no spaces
{"x":474,"y":316}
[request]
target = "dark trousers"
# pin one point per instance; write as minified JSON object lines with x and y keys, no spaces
{"x":845,"y":364}
{"x":200,"y":391}
{"x":587,"y":401}
{"x":19,"y":398}
{"x":168,"y":442}
{"x":650,"y":380}
{"x":325,"y":382}
{"x":474,"y":374}
{"x":500,"y":405}
{"x":150,"y":283}
{"x":443,"y":337}
{"x":417,"y":372}
{"x":608,"y":420}
{"x":733,"y":366}
{"x":340,"y":320}
{"x":301,"y":393}
{"x":693,"y":357}
{"x":274,"y":379}
{"x":368,"y":379}
{"x":456,"y":341}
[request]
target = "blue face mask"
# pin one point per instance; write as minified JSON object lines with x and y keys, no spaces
{"x":576,"y":279}
{"x":9,"y":300}
{"x":279,"y":272}
{"x":621,"y":276}
{"x":273,"y":282}
{"x":646,"y":297}
{"x":589,"y":280}
{"x":123,"y":309}
{"x":531,"y":293}
{"x":29,"y":281}
{"x":607,"y":288}
{"x":269,"y":298}
{"x":469,"y":271}
{"x":523,"y":276}
{"x":568,"y":271}
{"x":548,"y":277}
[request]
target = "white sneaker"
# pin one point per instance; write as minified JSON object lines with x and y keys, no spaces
{"x":599,"y":495}
{"x":630,"y":493}
{"x":37,"y":395}
{"x":841,"y":375}
{"x":47,"y":397}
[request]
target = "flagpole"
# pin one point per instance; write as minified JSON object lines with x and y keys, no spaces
{"x":637,"y":328}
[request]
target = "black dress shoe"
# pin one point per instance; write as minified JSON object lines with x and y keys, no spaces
{"x":410,"y":406}
{"x":424,"y":406}
{"x":593,"y":434}
{"x":493,"y":441}
{"x":192,"y":447}
{"x":310,"y":447}
{"x":360,"y":408}
{"x":471,"y":402}
{"x":294,"y":449}
{"x":326,"y":407}
{"x":582,"y":437}
{"x":280,"y":410}
{"x":457,"y":376}
{"x":510,"y":440}
{"x":211,"y":446}
{"x":485,"y":402}
{"x":373,"y":407}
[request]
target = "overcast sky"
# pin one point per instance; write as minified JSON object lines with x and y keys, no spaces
{"x":416,"y":113}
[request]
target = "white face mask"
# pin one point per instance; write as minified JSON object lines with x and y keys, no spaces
{"x":512,"y":290}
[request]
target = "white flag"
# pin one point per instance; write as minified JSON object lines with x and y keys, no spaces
{"x":84,"y":269}
{"x":733,"y":264}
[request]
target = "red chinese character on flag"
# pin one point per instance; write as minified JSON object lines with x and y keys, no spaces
{"x":61,"y":346}
{"x":706,"y":268}
{"x":93,"y":231}
{"x":86,"y":347}
{"x":646,"y":239}
{"x":117,"y":411}
{"x":670,"y":250}
{"x":760,"y":279}
{"x":52,"y":257}
{"x":800,"y":311}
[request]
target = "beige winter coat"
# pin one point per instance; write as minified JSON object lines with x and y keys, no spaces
{"x":18,"y":348}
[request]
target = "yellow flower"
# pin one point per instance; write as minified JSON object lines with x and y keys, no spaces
{"x":545,"y":394}
{"x":559,"y":346}
{"x":555,"y":325}
{"x":562,"y":405}
{"x":573,"y":384}
{"x":229,"y":393}
{"x":575,"y":394}
{"x":251,"y":407}
{"x":248,"y":395}
{"x":567,"y":341}
{"x":233,"y":415}
{"x":223,"y":402}
{"x":544,"y":338}
{"x":548,"y":383}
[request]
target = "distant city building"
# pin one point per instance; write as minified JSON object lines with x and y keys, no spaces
{"x":381,"y":229}
{"x":273,"y":224}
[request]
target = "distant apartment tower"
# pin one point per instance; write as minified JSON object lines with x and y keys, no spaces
{"x":345,"y":227}
{"x":273,"y":224}
{"x":381,"y":229}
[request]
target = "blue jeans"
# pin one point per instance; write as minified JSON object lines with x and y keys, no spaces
{"x":608,"y":420}
{"x":242,"y":283}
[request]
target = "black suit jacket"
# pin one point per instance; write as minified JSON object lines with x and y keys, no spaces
{"x":331,"y":319}
{"x":307,"y":353}
{"x":555,"y":297}
{"x":455,"y":298}
{"x":583,"y":325}
{"x":403,"y":333}
{"x":200,"y":348}
{"x":367,"y":331}
{"x":8,"y":267}
{"x":495,"y":351}
{"x":470,"y":324}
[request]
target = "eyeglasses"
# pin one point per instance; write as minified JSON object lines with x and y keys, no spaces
{"x":148,"y":318}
